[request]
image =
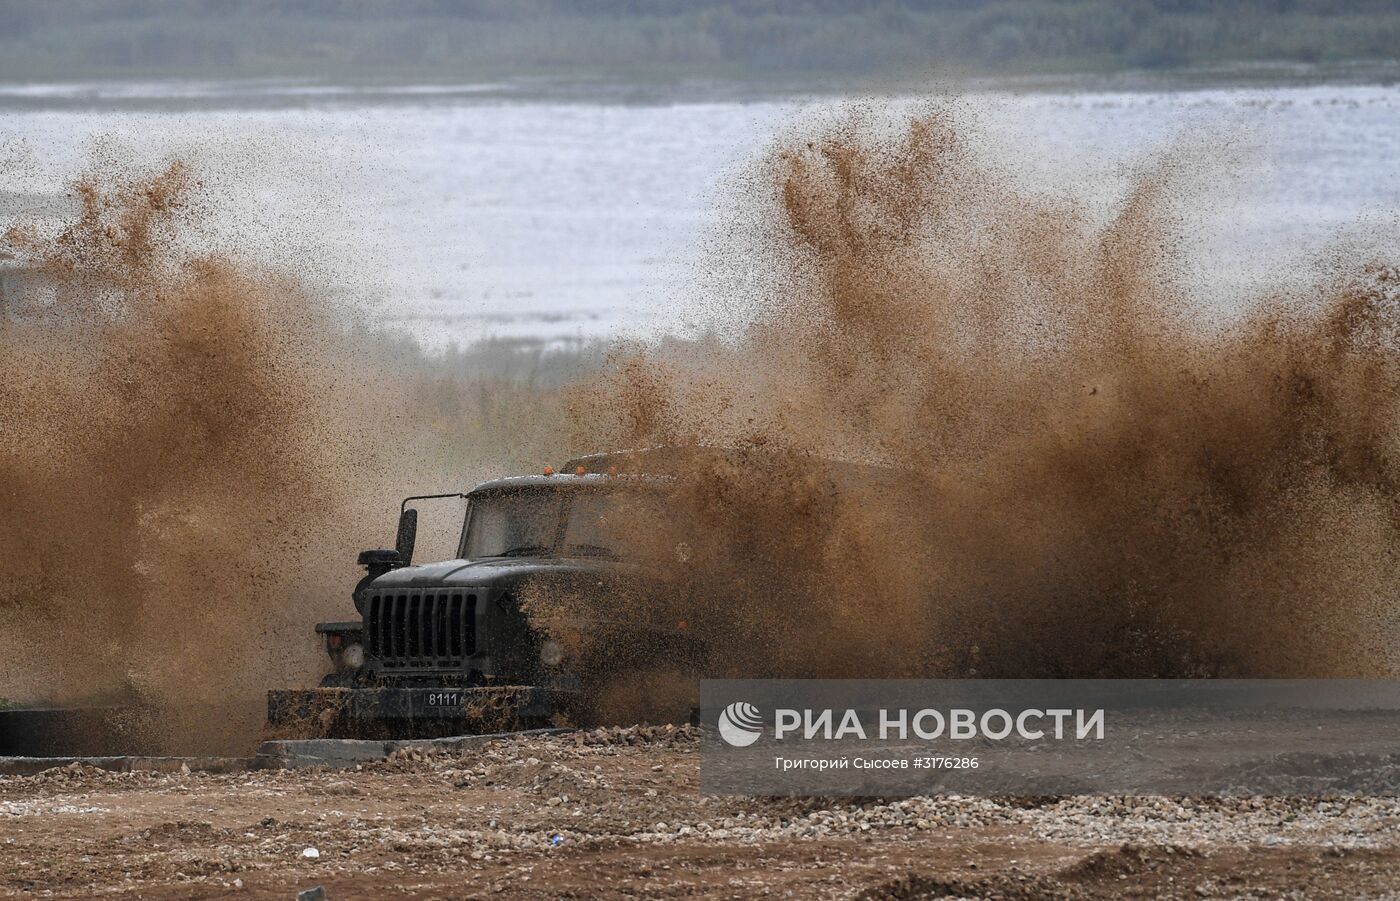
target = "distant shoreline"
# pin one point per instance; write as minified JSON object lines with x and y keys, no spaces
{"x":177,"y":92}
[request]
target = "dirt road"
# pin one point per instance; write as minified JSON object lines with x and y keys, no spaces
{"x":618,"y":814}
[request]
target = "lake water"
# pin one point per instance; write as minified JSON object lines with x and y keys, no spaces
{"x":461,"y":212}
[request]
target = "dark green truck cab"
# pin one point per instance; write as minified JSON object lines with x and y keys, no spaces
{"x":449,"y":647}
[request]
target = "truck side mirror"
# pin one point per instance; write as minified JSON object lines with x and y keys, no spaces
{"x":408,"y":534}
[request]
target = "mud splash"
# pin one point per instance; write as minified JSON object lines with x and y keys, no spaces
{"x":1090,"y":478}
{"x":1066,"y":470}
{"x":169,"y":417}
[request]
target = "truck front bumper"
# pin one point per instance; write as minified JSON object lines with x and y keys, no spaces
{"x":476,"y":708}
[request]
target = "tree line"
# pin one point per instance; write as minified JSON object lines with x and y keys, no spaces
{"x":676,"y":38}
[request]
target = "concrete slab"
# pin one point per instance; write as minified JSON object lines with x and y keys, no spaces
{"x":30,"y":766}
{"x":282,"y":754}
{"x":463,"y":742}
{"x":319,"y":751}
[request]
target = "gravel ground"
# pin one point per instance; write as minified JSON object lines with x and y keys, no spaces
{"x":617,"y":813}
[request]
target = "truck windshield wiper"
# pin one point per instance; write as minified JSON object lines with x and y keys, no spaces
{"x":526,"y":550}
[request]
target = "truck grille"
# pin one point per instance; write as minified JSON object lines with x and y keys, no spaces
{"x":421,"y":629}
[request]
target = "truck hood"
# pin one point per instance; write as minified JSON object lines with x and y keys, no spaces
{"x":495,"y":571}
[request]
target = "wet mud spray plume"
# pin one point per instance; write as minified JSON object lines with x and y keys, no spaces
{"x":1087,"y":477}
{"x":168,"y":418}
{"x":1050,"y":463}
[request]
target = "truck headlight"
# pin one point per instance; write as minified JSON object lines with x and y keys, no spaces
{"x":551,"y":653}
{"x":353,"y":657}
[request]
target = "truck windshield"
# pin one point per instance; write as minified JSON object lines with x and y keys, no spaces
{"x":543,"y":522}
{"x":518,"y":524}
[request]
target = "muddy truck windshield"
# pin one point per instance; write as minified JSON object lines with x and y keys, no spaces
{"x":539,"y":522}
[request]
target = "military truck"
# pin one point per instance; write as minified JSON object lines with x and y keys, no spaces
{"x":446,"y":648}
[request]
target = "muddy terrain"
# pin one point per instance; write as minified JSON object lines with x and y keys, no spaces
{"x":618,"y":813}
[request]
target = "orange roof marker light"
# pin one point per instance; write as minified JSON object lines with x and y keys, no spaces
{"x":581,"y":471}
{"x":549,"y":470}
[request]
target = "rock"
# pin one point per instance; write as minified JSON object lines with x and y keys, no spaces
{"x":318,"y":893}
